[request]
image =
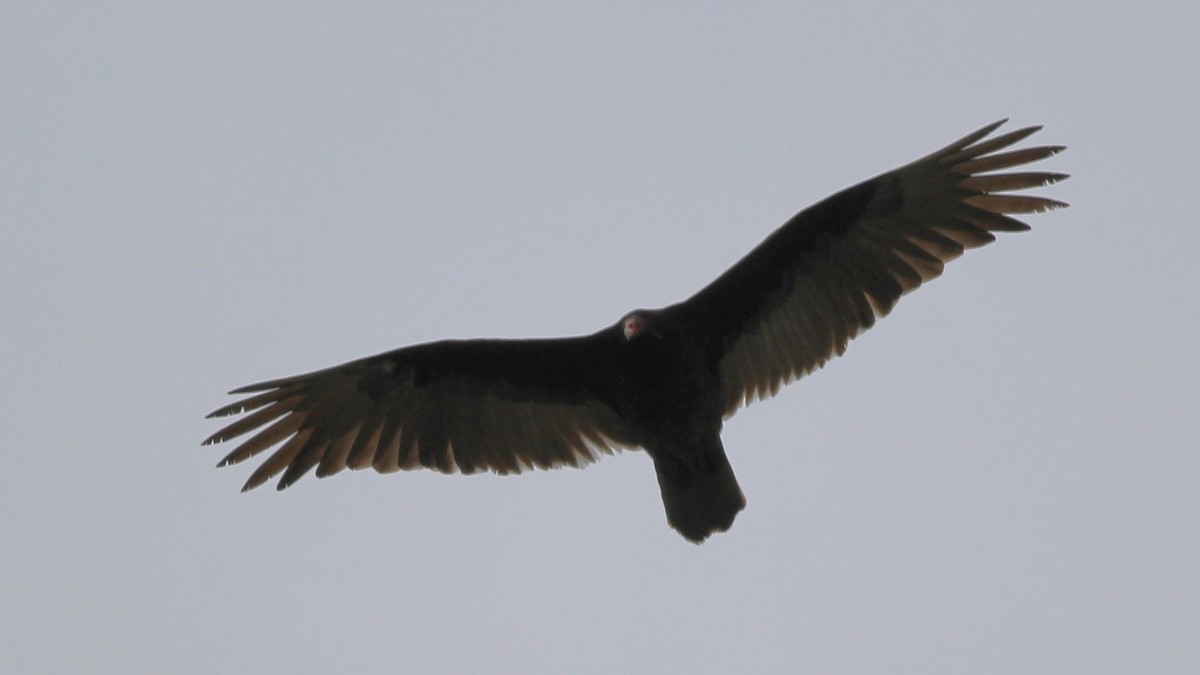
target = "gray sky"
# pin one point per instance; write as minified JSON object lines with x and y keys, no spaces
{"x":1001,"y":476}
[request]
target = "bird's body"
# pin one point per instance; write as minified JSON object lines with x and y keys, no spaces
{"x":662,"y":380}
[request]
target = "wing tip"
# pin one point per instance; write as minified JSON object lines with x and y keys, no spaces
{"x":989,"y":128}
{"x":256,"y":387}
{"x":226,"y":411}
{"x":254,"y":481}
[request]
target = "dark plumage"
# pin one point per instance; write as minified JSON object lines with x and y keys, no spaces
{"x":662,"y":380}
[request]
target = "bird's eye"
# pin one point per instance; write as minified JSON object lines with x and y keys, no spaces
{"x":633,"y":326}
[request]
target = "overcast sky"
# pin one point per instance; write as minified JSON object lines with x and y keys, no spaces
{"x":1001,"y":476}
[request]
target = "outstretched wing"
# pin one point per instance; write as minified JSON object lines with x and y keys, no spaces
{"x":501,"y":405}
{"x":798,"y":298}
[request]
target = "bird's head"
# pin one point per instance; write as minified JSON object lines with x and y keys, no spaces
{"x":633,"y":325}
{"x":641,"y":324}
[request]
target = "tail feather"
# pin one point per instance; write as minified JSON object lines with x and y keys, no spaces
{"x":699,"y":500}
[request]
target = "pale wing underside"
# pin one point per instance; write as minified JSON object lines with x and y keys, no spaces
{"x":924,"y":215}
{"x":328,"y":421}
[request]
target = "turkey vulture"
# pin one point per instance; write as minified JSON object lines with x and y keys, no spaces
{"x":662,"y":380}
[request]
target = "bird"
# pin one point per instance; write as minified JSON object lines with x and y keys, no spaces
{"x":659,"y":380}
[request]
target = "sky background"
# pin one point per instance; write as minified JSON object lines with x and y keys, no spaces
{"x":1002,"y":476}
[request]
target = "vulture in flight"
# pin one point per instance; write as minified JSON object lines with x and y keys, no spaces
{"x":661,"y":380}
